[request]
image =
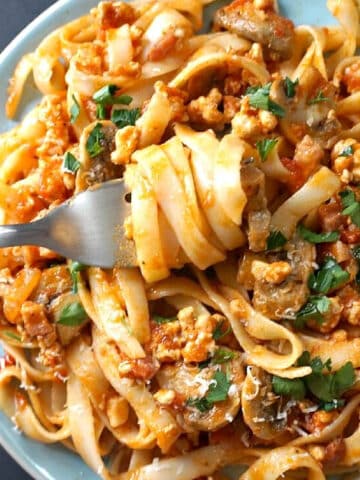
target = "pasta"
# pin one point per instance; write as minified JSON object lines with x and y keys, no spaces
{"x":234,"y":341}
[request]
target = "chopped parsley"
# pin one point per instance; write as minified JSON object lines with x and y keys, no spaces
{"x":94,"y":143}
{"x":218,"y":332}
{"x":75,"y":268}
{"x":312,"y":237}
{"x":275,"y":240}
{"x":326,"y":387}
{"x":74,"y":110}
{"x":221,"y":355}
{"x":333,"y":405}
{"x":328,"y":277}
{"x":13,"y":336}
{"x":294,"y":388}
{"x":259,"y":97}
{"x":202,"y":404}
{"x":106,"y":97}
{"x":320,"y":97}
{"x":314,"y":309}
{"x":356,"y":253}
{"x":161,"y":320}
{"x":217,"y":392}
{"x":290,"y":87}
{"x":122,"y":117}
{"x":72,"y":315}
{"x":70,"y":164}
{"x":100,"y":111}
{"x":265,"y":146}
{"x":351,"y":206}
{"x":347,"y":152}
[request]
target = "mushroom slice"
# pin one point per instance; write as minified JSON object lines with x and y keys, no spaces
{"x":273,"y":32}
{"x":193,"y":383}
{"x":262,"y":409}
{"x":310,"y":111}
{"x":53,"y":282}
{"x":96,"y":145}
{"x":278,"y":301}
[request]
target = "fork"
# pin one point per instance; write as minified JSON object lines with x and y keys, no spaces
{"x":88,"y":228}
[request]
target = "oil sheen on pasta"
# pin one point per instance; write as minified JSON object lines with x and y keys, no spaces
{"x":236,"y":340}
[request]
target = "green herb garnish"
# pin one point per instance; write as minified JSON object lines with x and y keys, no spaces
{"x":347,"y":152}
{"x":329,"y":276}
{"x":217,"y":392}
{"x":94,"y":143}
{"x":106,"y":96}
{"x":74,"y":110}
{"x":75,"y":268}
{"x":290,"y":87}
{"x":218,"y":332}
{"x":312,"y":237}
{"x":327,"y":387}
{"x":122,"y":118}
{"x":275,"y":240}
{"x":70,"y":164}
{"x":314,"y":309}
{"x":162,"y":320}
{"x":13,"y":336}
{"x":259,"y":97}
{"x":219,"y":388}
{"x":333,"y":405}
{"x":100,"y":111}
{"x":294,"y":388}
{"x":222,"y":355}
{"x":265,"y":146}
{"x":320,"y":97}
{"x":72,"y":315}
{"x":356,"y":253}
{"x":201,"y":404}
{"x":351,"y":206}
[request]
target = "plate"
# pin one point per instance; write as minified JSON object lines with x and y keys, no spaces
{"x":54,"y":462}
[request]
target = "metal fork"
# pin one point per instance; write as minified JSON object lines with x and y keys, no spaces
{"x":87,"y":228}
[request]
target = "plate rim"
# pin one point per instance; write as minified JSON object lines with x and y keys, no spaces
{"x":10,"y":449}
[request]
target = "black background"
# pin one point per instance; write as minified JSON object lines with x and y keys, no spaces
{"x":14,"y":16}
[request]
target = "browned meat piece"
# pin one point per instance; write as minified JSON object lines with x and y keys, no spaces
{"x":330,"y":217}
{"x":350,"y":300}
{"x":282,"y":300}
{"x":164,"y":46}
{"x":113,"y":15}
{"x":266,"y":27}
{"x":334,"y":452}
{"x":308,"y":154}
{"x":38,"y":328}
{"x":36,"y":324}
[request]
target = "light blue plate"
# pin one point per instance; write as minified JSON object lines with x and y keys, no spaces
{"x":54,"y":462}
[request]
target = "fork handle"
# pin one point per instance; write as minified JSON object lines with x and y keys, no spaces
{"x":33,"y":233}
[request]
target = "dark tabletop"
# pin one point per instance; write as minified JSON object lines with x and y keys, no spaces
{"x":14,"y":16}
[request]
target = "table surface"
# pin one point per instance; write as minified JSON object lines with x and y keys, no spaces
{"x":14,"y":16}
